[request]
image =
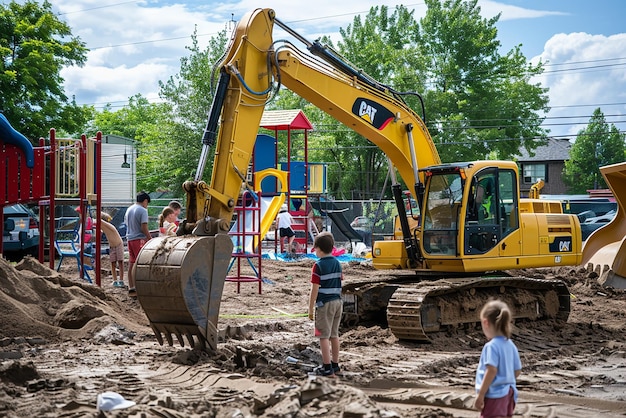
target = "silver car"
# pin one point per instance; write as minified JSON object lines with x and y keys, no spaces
{"x":21,"y":230}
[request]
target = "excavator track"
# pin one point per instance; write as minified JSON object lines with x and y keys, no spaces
{"x":414,"y":311}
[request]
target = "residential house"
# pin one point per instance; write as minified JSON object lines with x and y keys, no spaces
{"x":546,"y":163}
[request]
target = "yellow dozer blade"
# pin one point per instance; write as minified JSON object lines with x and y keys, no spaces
{"x":179,"y":283}
{"x":605,"y":249}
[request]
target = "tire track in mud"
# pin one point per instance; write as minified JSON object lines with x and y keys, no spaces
{"x":528,"y":406}
{"x":556,"y":360}
{"x":427,"y":379}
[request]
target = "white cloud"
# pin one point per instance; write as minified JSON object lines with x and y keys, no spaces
{"x":132,"y":47}
{"x":114,"y":85}
{"x":510,"y":12}
{"x":135,"y":45}
{"x":588,"y":72}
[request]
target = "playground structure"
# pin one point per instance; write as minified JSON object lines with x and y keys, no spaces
{"x":291,"y":180}
{"x":59,"y":172}
{"x":68,"y":171}
{"x":303,"y":178}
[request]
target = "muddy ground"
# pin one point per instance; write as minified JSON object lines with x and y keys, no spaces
{"x":63,"y":341}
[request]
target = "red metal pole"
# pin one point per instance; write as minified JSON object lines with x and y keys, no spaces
{"x":52,"y":190}
{"x":98,"y":184}
{"x":82,"y":191}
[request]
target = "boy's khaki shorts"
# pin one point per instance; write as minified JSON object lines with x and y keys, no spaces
{"x":327,"y":319}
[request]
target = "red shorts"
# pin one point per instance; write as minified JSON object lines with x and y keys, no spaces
{"x":499,"y":407}
{"x":134,"y":247}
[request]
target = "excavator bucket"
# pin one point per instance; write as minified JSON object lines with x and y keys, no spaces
{"x":179,"y":283}
{"x":605,"y":249}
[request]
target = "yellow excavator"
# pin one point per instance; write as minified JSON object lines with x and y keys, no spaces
{"x":471,"y":219}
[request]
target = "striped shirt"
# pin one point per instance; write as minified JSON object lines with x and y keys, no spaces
{"x":327,"y":273}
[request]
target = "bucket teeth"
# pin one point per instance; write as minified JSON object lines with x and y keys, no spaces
{"x":181,"y":332}
{"x":169,"y":339}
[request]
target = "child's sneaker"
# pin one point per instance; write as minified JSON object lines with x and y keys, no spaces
{"x":336,"y":370}
{"x":321,"y":371}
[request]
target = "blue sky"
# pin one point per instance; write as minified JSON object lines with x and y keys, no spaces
{"x":137,"y":43}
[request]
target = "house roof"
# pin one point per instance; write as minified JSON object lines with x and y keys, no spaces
{"x":116,"y":139}
{"x":557,"y":149}
{"x":283,"y":120}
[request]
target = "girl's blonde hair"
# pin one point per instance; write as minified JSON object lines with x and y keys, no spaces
{"x":167,"y":211}
{"x":499,"y":316}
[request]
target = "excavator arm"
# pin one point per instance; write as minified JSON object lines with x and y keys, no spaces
{"x":180,"y":279}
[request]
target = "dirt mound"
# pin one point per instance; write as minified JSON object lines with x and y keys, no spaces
{"x":36,"y":301}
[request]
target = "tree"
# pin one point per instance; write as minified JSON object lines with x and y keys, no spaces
{"x":150,"y":126}
{"x":384,"y":47}
{"x":34,"y":46}
{"x":168,"y":135}
{"x":597,"y":145}
{"x":190,"y":93}
{"x":480,"y":102}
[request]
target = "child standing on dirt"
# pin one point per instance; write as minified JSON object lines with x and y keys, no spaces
{"x":325,"y":305}
{"x":284,"y":220}
{"x":116,"y":249}
{"x":499,"y":364}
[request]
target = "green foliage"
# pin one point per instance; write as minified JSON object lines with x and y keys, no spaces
{"x":384,"y":47}
{"x":34,"y":46}
{"x":480,"y":102}
{"x":168,"y":134}
{"x":597,"y":145}
{"x":190,"y":93}
{"x":150,"y":125}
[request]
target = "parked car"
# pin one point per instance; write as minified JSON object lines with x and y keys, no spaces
{"x":602,"y":219}
{"x":592,"y":223}
{"x":21,"y":230}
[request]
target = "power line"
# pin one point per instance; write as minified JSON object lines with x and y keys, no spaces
{"x":98,"y":7}
{"x":601,"y":67}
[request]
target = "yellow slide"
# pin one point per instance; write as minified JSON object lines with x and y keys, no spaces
{"x":605,"y":249}
{"x":268,"y":216}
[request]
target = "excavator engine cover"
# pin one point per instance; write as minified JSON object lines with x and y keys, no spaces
{"x":179,"y":283}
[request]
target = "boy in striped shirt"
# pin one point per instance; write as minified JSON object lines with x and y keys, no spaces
{"x":325,"y":304}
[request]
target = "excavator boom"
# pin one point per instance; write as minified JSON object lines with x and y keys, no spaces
{"x":180,"y":280}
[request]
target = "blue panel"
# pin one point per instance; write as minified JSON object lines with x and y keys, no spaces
{"x":297,"y":179}
{"x":265,"y":157}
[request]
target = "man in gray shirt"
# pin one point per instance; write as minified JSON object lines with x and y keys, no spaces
{"x":137,"y":234}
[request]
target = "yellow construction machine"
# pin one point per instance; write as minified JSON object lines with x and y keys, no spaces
{"x":471,"y":219}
